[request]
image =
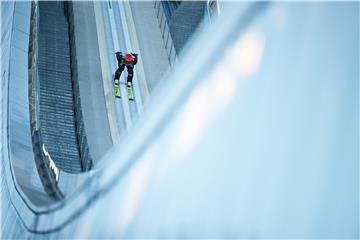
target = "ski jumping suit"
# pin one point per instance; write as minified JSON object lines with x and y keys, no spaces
{"x":129,"y":65}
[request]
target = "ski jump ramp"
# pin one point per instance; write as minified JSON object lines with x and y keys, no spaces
{"x":253,"y":135}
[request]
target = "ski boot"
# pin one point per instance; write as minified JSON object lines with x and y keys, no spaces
{"x":116,"y":88}
{"x":130,"y":91}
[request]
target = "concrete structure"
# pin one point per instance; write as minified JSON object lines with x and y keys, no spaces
{"x":184,"y":22}
{"x":152,"y":50}
{"x":86,"y":72}
{"x":232,"y":147}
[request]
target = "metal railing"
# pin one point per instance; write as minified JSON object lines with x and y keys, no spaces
{"x":47,"y":170}
{"x":165,"y":32}
{"x":84,"y":151}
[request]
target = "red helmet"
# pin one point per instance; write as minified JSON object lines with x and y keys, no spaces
{"x":128,"y":57}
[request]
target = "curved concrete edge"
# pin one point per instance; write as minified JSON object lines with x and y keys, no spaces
{"x":19,"y":177}
{"x":106,"y":74}
{"x":15,"y":120}
{"x":19,"y":161}
{"x":144,"y":91}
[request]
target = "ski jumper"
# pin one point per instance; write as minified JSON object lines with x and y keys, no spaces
{"x":128,"y":61}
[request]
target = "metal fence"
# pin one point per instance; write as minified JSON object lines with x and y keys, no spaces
{"x":47,"y":170}
{"x":165,"y":32}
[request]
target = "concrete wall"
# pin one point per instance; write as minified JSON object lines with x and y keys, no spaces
{"x":89,"y":77}
{"x":18,"y":170}
{"x":184,"y":22}
{"x":153,"y":53}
